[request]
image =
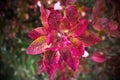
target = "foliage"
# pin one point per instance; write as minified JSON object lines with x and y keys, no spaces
{"x":69,"y":30}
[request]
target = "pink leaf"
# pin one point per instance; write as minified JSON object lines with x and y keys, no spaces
{"x":37,"y":32}
{"x":67,"y":2}
{"x":54,"y":19}
{"x":65,"y":40}
{"x":50,"y":62}
{"x":72,"y":61}
{"x":113,"y":25}
{"x":44,"y":16}
{"x":40,"y":67}
{"x":100,"y":23}
{"x":98,"y":9}
{"x":51,"y":37}
{"x":53,"y":48}
{"x":65,"y":24}
{"x":81,"y":27}
{"x":76,"y":48}
{"x":89,"y":38}
{"x":37,"y":46}
{"x":98,"y":57}
{"x":71,"y":13}
{"x":61,"y":65}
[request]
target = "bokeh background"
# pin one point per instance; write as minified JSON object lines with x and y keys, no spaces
{"x":17,"y":18}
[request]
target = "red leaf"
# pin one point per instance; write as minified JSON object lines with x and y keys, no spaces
{"x":44,"y":16}
{"x":76,"y":48}
{"x":67,"y":2}
{"x":72,"y":61}
{"x":71,"y":14}
{"x":37,"y":32}
{"x":113,"y":25}
{"x":98,"y":57}
{"x":40,"y":67}
{"x":81,"y":27}
{"x":54,"y":19}
{"x":98,"y":9}
{"x":89,"y":38}
{"x":51,"y":60}
{"x":65,"y":24}
{"x":37,"y":46}
{"x":100,"y":24}
{"x":51,"y":37}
